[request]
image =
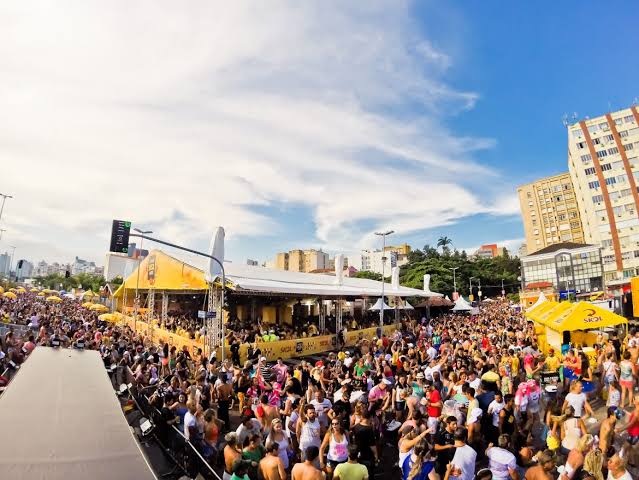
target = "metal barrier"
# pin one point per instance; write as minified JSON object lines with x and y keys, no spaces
{"x":184,"y":453}
{"x":20,"y":331}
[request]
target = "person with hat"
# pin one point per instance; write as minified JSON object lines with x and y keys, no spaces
{"x":433,"y":402}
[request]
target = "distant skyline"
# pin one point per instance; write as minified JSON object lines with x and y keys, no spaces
{"x":291,"y":124}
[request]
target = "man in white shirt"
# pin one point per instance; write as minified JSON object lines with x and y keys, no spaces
{"x":501,"y":462}
{"x":493,"y":410}
{"x":322,"y":406}
{"x":190,"y":423}
{"x":465,"y":457}
{"x":578,"y":401}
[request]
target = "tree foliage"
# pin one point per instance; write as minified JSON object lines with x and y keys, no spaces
{"x":439,"y":265}
{"x":88,"y":281}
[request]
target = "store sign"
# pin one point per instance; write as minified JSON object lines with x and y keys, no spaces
{"x":150,"y":270}
{"x":120,"y":231}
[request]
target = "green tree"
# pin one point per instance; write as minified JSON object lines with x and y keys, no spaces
{"x":444,"y":242}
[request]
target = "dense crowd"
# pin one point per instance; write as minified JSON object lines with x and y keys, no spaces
{"x":455,"y":397}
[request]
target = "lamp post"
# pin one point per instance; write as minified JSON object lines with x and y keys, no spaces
{"x":381,"y":308}
{"x":137,"y":284}
{"x":454,"y":279}
{"x":4,"y":199}
{"x":470,"y":285}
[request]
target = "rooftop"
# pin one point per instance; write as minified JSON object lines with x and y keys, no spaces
{"x":560,"y":246}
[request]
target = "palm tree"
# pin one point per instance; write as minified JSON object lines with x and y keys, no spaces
{"x":443,"y":242}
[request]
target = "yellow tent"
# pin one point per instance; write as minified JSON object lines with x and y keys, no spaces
{"x":584,"y":316}
{"x":54,"y":299}
{"x":546,"y":316}
{"x":539,"y":310}
{"x":10,"y":295}
{"x":163,"y":272}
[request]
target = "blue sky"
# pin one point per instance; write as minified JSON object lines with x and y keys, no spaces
{"x":294,"y":125}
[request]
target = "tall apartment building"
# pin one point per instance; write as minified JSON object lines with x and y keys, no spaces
{"x":550,"y":212}
{"x":603,"y":159}
{"x":301,"y":260}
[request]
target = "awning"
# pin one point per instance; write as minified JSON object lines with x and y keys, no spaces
{"x":160,"y":271}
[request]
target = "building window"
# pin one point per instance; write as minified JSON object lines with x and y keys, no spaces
{"x":626,"y":192}
{"x":597,"y":198}
{"x":611,"y":181}
{"x":529,"y":194}
{"x":617,"y":121}
{"x":581,"y":145}
{"x":607,"y":243}
{"x":618,"y":165}
{"x":627,"y":146}
{"x":605,"y":167}
{"x":590,"y":171}
{"x":594,"y":185}
{"x":561,"y":217}
{"x":628,"y":119}
{"x":613,"y":151}
{"x":586,"y":158}
{"x":618,"y":210}
{"x":574,"y":225}
{"x":621,"y":178}
{"x":623,"y":133}
{"x":629,"y":273}
{"x":602,"y":153}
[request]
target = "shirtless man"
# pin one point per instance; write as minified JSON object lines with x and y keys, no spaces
{"x":266,"y":414}
{"x":271,"y":466}
{"x":308,"y":470}
{"x":224,"y":394}
{"x":607,"y":430}
{"x":231,"y":453}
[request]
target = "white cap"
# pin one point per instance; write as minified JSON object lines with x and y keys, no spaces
{"x":387,"y":381}
{"x":262,"y":359}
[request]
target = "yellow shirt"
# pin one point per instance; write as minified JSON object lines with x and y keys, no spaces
{"x":514,"y":364}
{"x":552,"y":364}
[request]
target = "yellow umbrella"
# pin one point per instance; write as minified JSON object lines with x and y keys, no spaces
{"x":88,"y":304}
{"x":10,"y":295}
{"x":107,"y":317}
{"x":54,"y":299}
{"x":20,"y":290}
{"x":13,"y":290}
{"x":41,"y":294}
{"x":88,"y":293}
{"x":98,"y":307}
{"x":34,"y":290}
{"x":1,"y":290}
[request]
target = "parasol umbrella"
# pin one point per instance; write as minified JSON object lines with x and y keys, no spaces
{"x":34,"y":290}
{"x":98,"y":307}
{"x":88,"y":293}
{"x":20,"y":290}
{"x":88,"y":304}
{"x":13,"y":290}
{"x":1,"y":290}
{"x":107,"y":317}
{"x":41,"y":294}
{"x":54,"y":299}
{"x":10,"y":295}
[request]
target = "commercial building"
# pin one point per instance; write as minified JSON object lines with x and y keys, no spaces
{"x":489,"y":251}
{"x":82,"y":266}
{"x":603,"y":159}
{"x":568,"y":268}
{"x":5,"y":259}
{"x":24,"y":269}
{"x":550,"y":212}
{"x":301,"y":260}
{"x":372,"y":260}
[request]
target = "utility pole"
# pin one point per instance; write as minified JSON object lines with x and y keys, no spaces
{"x":454,"y":280}
{"x":137,"y":284}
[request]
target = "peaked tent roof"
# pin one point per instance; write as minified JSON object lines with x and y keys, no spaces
{"x":583,"y":316}
{"x":462,"y":305}
{"x":161,"y":271}
{"x":542,"y":298}
{"x":553,"y":312}
{"x":534,"y":313}
{"x":378,"y":305}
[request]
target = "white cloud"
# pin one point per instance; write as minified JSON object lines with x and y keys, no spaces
{"x":204,"y":110}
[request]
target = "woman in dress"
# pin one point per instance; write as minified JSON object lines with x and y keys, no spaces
{"x":626,"y":380}
{"x":420,"y":465}
{"x":281,"y":437}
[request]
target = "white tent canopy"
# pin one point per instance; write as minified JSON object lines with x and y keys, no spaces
{"x":462,"y":305}
{"x":542,"y":298}
{"x":407,"y":306}
{"x":378,"y":305}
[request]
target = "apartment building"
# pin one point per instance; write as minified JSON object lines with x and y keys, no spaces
{"x":301,"y":260}
{"x":603,"y":160}
{"x":550,"y":212}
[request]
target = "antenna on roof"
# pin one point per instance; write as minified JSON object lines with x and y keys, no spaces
{"x":574,"y":116}
{"x":564,"y":120}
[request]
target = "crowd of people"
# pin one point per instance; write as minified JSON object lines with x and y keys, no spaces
{"x":446,"y":398}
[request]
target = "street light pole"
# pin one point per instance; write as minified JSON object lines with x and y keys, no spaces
{"x":454,"y":278}
{"x":4,"y":199}
{"x":470,"y":286}
{"x":381,"y":308}
{"x":137,"y":284}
